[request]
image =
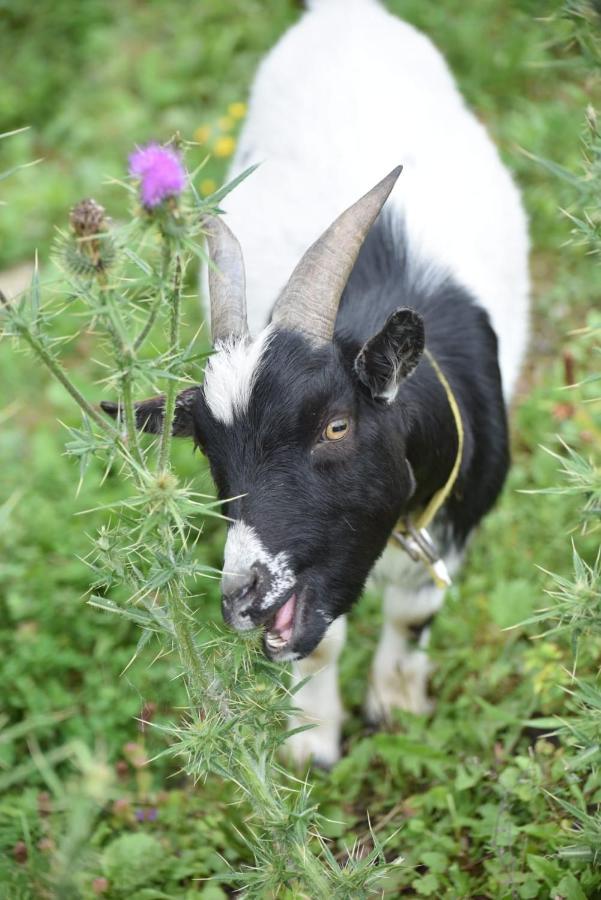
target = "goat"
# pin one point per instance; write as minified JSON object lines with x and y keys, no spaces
{"x":331,"y":423}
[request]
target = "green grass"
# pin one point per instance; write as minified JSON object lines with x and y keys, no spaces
{"x":466,"y":797}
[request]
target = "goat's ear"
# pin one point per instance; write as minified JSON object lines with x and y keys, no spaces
{"x":149,"y":413}
{"x":386,"y":359}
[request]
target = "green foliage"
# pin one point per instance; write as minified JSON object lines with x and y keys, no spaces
{"x":574,"y":610}
{"x":133,"y":861}
{"x":494,"y":796}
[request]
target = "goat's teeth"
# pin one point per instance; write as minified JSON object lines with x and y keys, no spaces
{"x":275,"y":640}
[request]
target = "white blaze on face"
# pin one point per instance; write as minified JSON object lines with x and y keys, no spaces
{"x":244,"y":548}
{"x":230,"y":375}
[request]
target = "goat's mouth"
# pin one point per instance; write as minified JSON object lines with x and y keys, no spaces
{"x":281,"y":629}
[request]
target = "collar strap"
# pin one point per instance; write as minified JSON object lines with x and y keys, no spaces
{"x":411,"y":534}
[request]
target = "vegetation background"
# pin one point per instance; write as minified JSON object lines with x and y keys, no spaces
{"x":484,"y":799}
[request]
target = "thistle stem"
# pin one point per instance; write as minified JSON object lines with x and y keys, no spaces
{"x":266,"y":799}
{"x":149,"y":321}
{"x":59,"y":373}
{"x":171,"y":393}
{"x":184,"y":639}
{"x":124,"y":354}
{"x":129,"y":410}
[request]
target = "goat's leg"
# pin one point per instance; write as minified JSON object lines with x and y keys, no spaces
{"x":400,"y":671}
{"x":318,"y":701}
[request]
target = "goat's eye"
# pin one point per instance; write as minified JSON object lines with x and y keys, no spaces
{"x":336,"y":430}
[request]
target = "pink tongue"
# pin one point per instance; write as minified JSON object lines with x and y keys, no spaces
{"x":284,"y":619}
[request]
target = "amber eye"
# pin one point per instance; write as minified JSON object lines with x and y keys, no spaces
{"x":336,"y":430}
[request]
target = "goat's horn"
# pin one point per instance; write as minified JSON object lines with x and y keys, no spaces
{"x":227,"y":281}
{"x":309,"y":302}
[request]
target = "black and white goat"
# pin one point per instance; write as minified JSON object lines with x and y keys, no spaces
{"x":328,"y":424}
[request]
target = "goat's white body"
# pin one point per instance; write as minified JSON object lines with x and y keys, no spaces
{"x":347,"y":94}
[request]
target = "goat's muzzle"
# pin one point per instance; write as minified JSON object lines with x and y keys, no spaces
{"x":247,"y":597}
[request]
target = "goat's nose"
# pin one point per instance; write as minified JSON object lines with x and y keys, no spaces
{"x":235,"y":585}
{"x":238,"y":591}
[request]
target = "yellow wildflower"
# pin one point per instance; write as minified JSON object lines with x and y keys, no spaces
{"x":226,"y":123}
{"x":237,"y":110}
{"x":208,"y":186}
{"x":224,"y":146}
{"x":202,"y":134}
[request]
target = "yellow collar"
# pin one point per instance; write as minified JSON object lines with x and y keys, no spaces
{"x":412,"y":534}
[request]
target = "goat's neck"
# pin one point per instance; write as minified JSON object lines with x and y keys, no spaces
{"x":432,"y":440}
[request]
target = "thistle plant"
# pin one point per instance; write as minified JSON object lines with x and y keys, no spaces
{"x":573,"y":609}
{"x":126,"y":284}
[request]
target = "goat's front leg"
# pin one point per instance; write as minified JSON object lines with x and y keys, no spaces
{"x":401,"y":668}
{"x":318,"y":701}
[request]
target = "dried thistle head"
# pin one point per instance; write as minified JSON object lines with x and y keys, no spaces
{"x":90,"y":249}
{"x":88,"y":218}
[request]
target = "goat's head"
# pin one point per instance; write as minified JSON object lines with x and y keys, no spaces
{"x":306,"y":451}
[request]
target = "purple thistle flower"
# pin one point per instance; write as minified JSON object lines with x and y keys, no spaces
{"x":160,"y":171}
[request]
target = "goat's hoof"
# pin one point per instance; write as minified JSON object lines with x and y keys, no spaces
{"x":380,"y":704}
{"x":397,"y":694}
{"x":319,"y":746}
{"x":402,"y":685}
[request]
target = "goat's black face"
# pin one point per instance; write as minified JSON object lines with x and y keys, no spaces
{"x":307,"y":450}
{"x":311,"y":467}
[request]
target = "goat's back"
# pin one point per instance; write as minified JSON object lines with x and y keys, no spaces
{"x":348,"y":93}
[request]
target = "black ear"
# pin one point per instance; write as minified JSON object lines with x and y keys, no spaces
{"x":386,"y":359}
{"x":149,"y":413}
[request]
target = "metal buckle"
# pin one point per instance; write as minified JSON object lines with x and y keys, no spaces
{"x":418,"y":544}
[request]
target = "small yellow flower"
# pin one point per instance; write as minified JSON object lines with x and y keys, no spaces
{"x":237,"y":110}
{"x":202,"y":134}
{"x":224,"y":146}
{"x":226,"y":123}
{"x":208,"y":186}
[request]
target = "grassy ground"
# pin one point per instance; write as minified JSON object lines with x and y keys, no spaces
{"x":466,"y":797}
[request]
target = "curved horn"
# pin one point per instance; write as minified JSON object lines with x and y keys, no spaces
{"x":309,"y":302}
{"x":227,"y":281}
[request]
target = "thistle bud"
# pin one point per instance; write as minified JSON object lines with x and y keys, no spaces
{"x":88,"y":218}
{"x":89,"y":250}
